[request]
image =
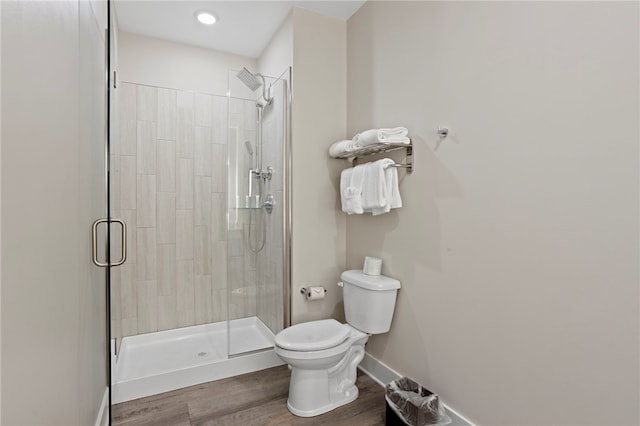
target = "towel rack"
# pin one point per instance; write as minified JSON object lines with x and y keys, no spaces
{"x":378,"y":148}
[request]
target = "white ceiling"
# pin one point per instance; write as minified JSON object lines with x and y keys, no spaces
{"x":243,"y":27}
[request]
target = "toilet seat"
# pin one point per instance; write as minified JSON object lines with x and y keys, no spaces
{"x":312,"y":336}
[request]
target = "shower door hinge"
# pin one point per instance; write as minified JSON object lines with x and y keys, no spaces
{"x":115,"y":79}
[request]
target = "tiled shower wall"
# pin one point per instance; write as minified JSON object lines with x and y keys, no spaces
{"x":169,"y":183}
{"x":174,"y":171}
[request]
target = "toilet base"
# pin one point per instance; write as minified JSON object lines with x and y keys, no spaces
{"x":324,"y":380}
{"x":349,"y":396}
{"x":313,"y":392}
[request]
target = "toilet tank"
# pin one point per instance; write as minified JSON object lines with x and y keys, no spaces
{"x":369,"y":300}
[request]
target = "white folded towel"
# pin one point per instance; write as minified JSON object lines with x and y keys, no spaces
{"x":351,"y":185}
{"x":391,"y":135}
{"x":340,"y":148}
{"x":393,"y":199}
{"x":374,"y":189}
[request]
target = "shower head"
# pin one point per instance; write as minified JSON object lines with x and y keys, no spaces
{"x":247,"y":145}
{"x":253,"y":82}
{"x":249,"y":79}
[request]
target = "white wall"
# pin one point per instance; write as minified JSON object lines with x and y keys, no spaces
{"x":278,"y":55}
{"x":319,"y":119}
{"x":517,"y":245}
{"x":155,"y":62}
{"x":53,"y":299}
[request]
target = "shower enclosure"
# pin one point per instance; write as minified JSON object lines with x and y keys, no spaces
{"x":202,"y":184}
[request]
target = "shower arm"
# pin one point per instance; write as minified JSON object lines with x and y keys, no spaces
{"x":265,"y":91}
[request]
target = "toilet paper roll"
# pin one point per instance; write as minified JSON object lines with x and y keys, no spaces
{"x":372,"y":265}
{"x":315,"y":293}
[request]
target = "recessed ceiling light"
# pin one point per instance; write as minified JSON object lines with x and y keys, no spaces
{"x":206,"y":18}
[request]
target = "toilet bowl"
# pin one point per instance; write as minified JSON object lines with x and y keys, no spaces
{"x":324,"y":354}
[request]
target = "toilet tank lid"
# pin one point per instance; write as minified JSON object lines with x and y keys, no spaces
{"x":370,"y":282}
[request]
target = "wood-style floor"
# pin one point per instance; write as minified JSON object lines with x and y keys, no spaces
{"x":255,"y":399}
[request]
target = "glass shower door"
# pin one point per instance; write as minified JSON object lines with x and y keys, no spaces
{"x":256,"y":245}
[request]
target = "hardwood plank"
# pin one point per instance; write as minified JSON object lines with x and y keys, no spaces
{"x":217,"y":399}
{"x":270,"y":413}
{"x":168,"y":409}
{"x":137,"y":407}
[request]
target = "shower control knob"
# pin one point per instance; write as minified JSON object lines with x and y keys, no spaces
{"x":269,"y":202}
{"x":268,"y":174}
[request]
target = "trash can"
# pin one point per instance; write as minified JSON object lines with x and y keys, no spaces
{"x":408,"y":403}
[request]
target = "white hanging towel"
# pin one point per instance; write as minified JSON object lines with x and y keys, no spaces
{"x":351,"y":186}
{"x":374,"y":190}
{"x":345,"y":180}
{"x":390,"y":135}
{"x":393,"y":199}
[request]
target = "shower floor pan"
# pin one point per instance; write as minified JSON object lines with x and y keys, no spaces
{"x":152,"y":363}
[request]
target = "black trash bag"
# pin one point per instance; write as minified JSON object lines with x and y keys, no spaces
{"x":413,"y":404}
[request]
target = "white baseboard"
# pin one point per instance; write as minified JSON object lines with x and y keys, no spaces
{"x":377,"y":370}
{"x":102,"y":419}
{"x":383,"y":374}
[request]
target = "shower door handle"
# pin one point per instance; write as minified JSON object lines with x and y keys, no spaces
{"x":123,"y":242}
{"x":94,"y":237}
{"x":94,"y":242}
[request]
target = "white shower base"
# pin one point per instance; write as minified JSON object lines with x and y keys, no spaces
{"x":152,"y":363}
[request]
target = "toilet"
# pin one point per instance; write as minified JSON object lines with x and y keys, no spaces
{"x":324,"y":354}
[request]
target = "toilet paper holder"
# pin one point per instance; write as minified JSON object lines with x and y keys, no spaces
{"x":304,"y":290}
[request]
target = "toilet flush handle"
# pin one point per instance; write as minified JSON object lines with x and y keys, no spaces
{"x":340,"y":284}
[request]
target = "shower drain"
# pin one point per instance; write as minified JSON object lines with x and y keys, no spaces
{"x":202,"y":353}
